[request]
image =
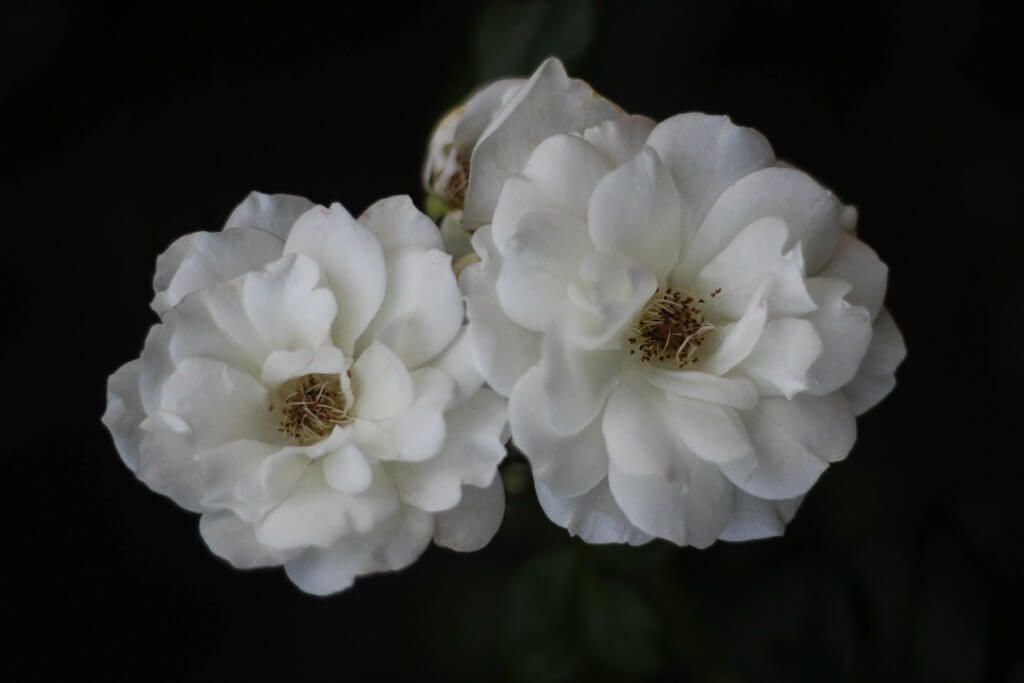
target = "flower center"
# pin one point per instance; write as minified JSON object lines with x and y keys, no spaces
{"x":670,"y":329}
{"x":455,"y":188}
{"x":312,"y":406}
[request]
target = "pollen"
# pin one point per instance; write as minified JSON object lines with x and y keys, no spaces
{"x":310,"y":411}
{"x":671,"y":329}
{"x":455,"y":189}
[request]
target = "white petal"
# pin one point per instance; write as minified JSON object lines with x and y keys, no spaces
{"x":478,"y":112}
{"x":780,"y":361}
{"x":845,"y":332}
{"x":419,"y":431}
{"x":241,"y":322}
{"x":167,"y":465}
{"x":636,"y":434}
{"x":620,"y":139}
{"x":248,"y":477}
{"x":422,"y":310}
{"x":381,"y":383}
{"x":471,"y":524}
{"x":796,"y":439}
{"x":124,"y":412}
{"x":206,"y":258}
{"x":273,"y":213}
{"x":218,"y":403}
{"x":474,"y":445}
{"x":875,"y":378}
{"x":539,"y":259}
{"x":575,"y":382}
{"x":388,"y":547}
{"x":547,"y":104}
{"x":502,"y":350}
{"x":730,"y":391}
{"x":352,"y":260}
{"x":690,"y":510}
{"x":282,"y":366}
{"x":560,"y":175}
{"x":607,"y":296}
{"x":635,"y":211}
{"x":157,"y":365}
{"x":809,"y":210}
{"x":731,"y":343}
{"x":347,"y":470}
{"x":754,"y":517}
{"x":858,"y":264}
{"x":594,"y":517}
{"x":457,"y":362}
{"x":316,"y":514}
{"x":229,"y":537}
{"x":568,"y":465}
{"x":752,"y":260}
{"x":397,"y":223}
{"x":706,"y":154}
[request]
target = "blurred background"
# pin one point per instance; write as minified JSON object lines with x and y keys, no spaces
{"x":125,"y":127}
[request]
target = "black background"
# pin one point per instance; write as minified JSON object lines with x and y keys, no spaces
{"x":124,"y":128}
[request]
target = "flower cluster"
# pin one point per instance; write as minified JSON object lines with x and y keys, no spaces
{"x":676,"y":329}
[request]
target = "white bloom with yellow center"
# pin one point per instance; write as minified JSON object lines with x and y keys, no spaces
{"x":685,"y":328}
{"x":310,"y":391}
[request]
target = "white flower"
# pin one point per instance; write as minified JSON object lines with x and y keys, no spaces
{"x":685,"y":328}
{"x":479,"y":144}
{"x":309,"y":391}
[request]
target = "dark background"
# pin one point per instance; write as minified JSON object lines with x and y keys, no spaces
{"x":125,"y":127}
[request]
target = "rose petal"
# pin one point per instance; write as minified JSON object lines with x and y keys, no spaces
{"x":568,"y":465}
{"x":635,"y":211}
{"x":690,"y":510}
{"x":731,"y":343}
{"x":540,"y":257}
{"x":124,"y":412}
{"x":754,"y":518}
{"x":388,"y":547}
{"x":351,"y":259}
{"x":273,"y":213}
{"x":752,"y":260}
{"x":796,"y":440}
{"x":316,"y":514}
{"x":810,"y":211}
{"x":607,"y":296}
{"x":620,"y":139}
{"x":241,"y":322}
{"x":575,"y":382}
{"x":471,"y":524}
{"x":594,"y":517}
{"x":202,"y":259}
{"x":545,"y":184}
{"x":729,"y":391}
{"x":547,"y":104}
{"x":419,"y":431}
{"x":218,"y":403}
{"x":875,"y":378}
{"x":282,"y":366}
{"x":474,"y":445}
{"x":422,"y":310}
{"x":845,"y":332}
{"x":398,"y":224}
{"x":782,"y":357}
{"x":858,"y":264}
{"x":348,"y":470}
{"x":706,"y":154}
{"x":229,"y":537}
{"x":381,"y":384}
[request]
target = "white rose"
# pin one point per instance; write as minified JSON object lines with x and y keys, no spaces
{"x":479,"y":144}
{"x":685,"y":329}
{"x":309,"y":391}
